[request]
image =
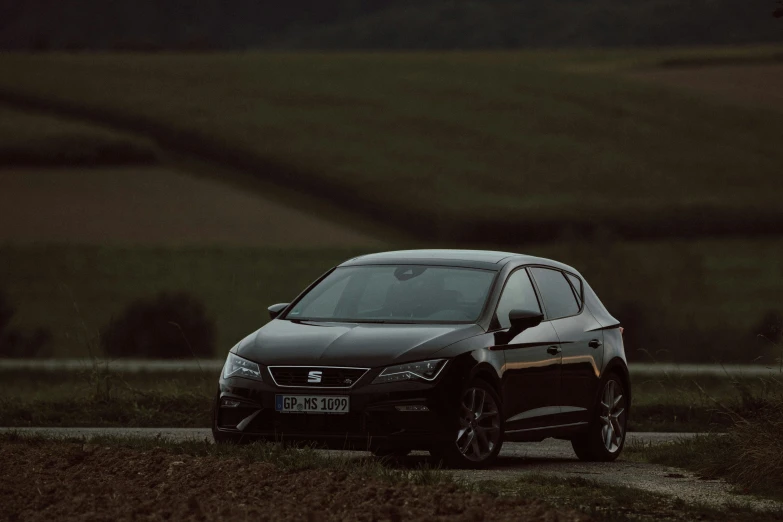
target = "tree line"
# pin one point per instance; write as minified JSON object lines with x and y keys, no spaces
{"x":150,"y":25}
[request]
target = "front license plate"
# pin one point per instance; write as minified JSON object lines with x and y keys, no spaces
{"x":311,"y":404}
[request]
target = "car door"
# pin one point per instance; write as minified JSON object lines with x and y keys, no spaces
{"x":531,"y":376}
{"x":581,"y":341}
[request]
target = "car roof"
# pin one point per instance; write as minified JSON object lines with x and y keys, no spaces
{"x":486,"y":259}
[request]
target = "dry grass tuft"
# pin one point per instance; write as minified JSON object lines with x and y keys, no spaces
{"x":757,"y":444}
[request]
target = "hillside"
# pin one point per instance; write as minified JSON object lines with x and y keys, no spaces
{"x":582,"y":149}
{"x":494,"y":147}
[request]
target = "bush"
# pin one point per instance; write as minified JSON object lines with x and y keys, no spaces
{"x":167,"y":326}
{"x":17,"y":343}
{"x":770,"y":327}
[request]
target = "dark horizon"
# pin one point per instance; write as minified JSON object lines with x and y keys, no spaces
{"x":154,"y":25}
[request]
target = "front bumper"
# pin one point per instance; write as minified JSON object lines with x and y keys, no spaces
{"x":246,"y":408}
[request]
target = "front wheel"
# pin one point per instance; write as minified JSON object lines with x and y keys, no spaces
{"x":480,"y":434}
{"x":605,"y":436}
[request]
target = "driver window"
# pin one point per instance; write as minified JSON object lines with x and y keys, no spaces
{"x":518,"y":294}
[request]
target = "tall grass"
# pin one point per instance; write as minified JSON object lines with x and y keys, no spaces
{"x":750,"y":453}
{"x":756,"y":437}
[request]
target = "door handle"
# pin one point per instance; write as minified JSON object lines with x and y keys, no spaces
{"x":554,"y":350}
{"x":595,"y":343}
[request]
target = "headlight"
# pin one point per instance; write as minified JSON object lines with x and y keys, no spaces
{"x":236,"y":366}
{"x":418,"y":371}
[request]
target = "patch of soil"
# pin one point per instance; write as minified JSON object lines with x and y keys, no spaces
{"x":153,"y":205}
{"x":755,"y":85}
{"x":73,"y":481}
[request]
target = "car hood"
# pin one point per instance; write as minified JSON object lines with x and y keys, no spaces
{"x":349,"y":344}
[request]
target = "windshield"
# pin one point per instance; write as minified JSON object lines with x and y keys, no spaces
{"x":397,"y":294}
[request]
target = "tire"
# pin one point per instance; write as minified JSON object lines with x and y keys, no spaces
{"x":479,"y":436}
{"x":601,"y":442}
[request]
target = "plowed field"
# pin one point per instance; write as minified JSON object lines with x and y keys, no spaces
{"x":73,"y":481}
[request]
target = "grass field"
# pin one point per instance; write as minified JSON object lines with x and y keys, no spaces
{"x":76,"y":290}
{"x":499,"y":147}
{"x":702,"y":300}
{"x":37,"y":139}
{"x":438,"y":145}
{"x":96,"y":397}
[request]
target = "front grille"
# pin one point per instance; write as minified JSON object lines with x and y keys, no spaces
{"x":316,"y":376}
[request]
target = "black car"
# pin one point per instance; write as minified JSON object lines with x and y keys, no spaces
{"x":451,"y":351}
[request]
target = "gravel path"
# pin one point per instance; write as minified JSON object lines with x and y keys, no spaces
{"x":550,"y":457}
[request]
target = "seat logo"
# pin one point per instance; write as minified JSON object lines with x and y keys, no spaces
{"x":314,"y":376}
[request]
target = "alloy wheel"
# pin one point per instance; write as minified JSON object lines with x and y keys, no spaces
{"x":613,"y":416}
{"x":479,"y":425}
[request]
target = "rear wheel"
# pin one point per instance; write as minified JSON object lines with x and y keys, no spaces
{"x":480,"y":434}
{"x":605,"y":436}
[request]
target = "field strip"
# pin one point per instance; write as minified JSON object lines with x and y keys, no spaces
{"x":550,"y":457}
{"x":754,"y":85}
{"x":154,"y":205}
{"x":214,"y":365}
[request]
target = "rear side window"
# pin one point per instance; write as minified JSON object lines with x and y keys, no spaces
{"x":518,"y":294}
{"x":556,"y":292}
{"x":577,"y":284}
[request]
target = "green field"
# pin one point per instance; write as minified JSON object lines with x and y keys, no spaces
{"x":496,"y":147}
{"x":96,"y":397}
{"x":38,"y":139}
{"x":684,"y":301}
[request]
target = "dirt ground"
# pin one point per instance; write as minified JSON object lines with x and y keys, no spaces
{"x":75,"y":481}
{"x":754,"y":85}
{"x":152,"y":205}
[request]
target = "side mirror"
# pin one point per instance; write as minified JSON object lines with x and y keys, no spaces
{"x":275,"y":309}
{"x":521,"y":320}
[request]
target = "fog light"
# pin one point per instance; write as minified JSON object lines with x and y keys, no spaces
{"x":229,"y":403}
{"x":413,"y":407}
